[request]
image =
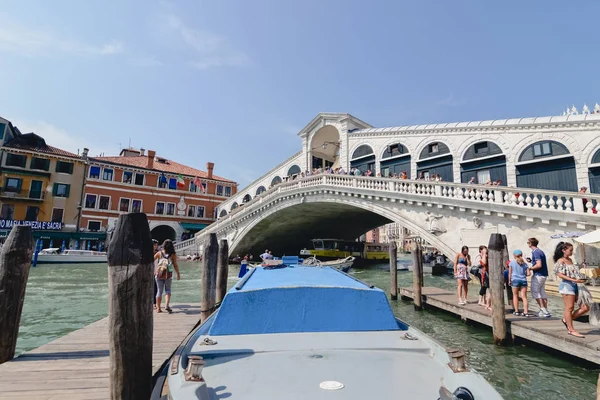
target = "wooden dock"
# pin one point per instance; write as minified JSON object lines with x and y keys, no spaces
{"x":75,"y":366}
{"x":548,"y":332}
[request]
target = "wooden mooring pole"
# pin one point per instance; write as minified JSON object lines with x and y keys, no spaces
{"x":393,"y":270}
{"x":209,"y":277}
{"x":15,"y":261}
{"x":417,"y":254}
{"x":496,"y":249}
{"x":222,"y":270}
{"x":130,"y":318}
{"x":505,"y":259}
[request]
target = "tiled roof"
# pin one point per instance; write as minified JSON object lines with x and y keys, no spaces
{"x":168,"y":166}
{"x":34,"y":143}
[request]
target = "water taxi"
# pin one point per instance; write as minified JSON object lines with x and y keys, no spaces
{"x":55,"y":256}
{"x":333,"y":249}
{"x":288,"y":332}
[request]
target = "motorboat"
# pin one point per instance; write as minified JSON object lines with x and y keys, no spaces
{"x":68,"y":256}
{"x":299,"y":332}
{"x":343,"y":264}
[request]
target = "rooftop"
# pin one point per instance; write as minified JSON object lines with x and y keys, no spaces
{"x":35,"y":143}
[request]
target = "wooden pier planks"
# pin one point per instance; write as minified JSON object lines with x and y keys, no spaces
{"x":549,"y":332}
{"x":76,"y":366}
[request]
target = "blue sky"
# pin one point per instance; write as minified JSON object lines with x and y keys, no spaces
{"x":234,"y":81}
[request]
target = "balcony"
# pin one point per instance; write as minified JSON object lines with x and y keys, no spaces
{"x":23,"y":194}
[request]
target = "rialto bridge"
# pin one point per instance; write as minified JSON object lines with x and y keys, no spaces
{"x":539,"y":164}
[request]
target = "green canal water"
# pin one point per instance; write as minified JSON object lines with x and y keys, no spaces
{"x":64,"y":298}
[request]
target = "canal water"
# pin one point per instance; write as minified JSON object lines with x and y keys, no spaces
{"x":64,"y":298}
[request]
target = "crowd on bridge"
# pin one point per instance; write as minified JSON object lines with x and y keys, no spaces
{"x":516,"y":272}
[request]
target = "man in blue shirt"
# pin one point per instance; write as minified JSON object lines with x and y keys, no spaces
{"x":540,"y":274}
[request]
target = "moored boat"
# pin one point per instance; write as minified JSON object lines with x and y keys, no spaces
{"x":343,"y":264}
{"x":289,"y":333}
{"x":55,"y":256}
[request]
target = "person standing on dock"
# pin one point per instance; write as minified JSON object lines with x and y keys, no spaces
{"x":167,"y":264}
{"x":538,"y":280}
{"x":517,"y":279}
{"x":155,"y":250}
{"x":462,"y":262}
{"x":481,"y":272}
{"x":570,"y":277}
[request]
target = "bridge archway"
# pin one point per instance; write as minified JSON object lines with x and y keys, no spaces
{"x":163,"y":232}
{"x":234,"y":205}
{"x":325,"y":148}
{"x":594,"y":173}
{"x":276,"y":180}
{"x":223,"y":213}
{"x":363,"y":158}
{"x":247,"y":198}
{"x":260,"y":190}
{"x":395,"y":159}
{"x":547,"y":164}
{"x":294,"y":170}
{"x":436,"y":159}
{"x":484,"y":161}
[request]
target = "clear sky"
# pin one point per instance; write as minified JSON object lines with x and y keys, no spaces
{"x":234,"y":81}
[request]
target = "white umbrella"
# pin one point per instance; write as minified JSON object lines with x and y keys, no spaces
{"x":591,"y":238}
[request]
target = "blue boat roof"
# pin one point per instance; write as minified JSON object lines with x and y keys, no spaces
{"x":302,"y":299}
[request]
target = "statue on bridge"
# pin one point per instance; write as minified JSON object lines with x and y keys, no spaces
{"x":434,"y":224}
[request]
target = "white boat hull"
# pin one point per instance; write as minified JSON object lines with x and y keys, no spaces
{"x":71,"y":259}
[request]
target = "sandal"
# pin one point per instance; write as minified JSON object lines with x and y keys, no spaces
{"x":158,"y":310}
{"x":565,"y":322}
{"x":517,"y":314}
{"x":168,"y":309}
{"x":576,"y":334}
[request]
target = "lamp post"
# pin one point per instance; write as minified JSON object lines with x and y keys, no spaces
{"x":84,"y":156}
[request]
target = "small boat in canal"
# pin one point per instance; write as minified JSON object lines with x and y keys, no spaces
{"x":55,"y":256}
{"x":343,"y":264}
{"x":296,"y":332}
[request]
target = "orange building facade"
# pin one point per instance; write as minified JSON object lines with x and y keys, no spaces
{"x":178,"y":200}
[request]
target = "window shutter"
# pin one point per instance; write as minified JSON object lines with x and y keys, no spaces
{"x":67,"y":190}
{"x":54,"y":189}
{"x":20,"y":185}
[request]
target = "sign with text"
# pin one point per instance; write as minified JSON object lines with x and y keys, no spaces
{"x":35,"y":225}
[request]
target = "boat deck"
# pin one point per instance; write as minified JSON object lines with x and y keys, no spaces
{"x":76,"y":366}
{"x":548,"y":332}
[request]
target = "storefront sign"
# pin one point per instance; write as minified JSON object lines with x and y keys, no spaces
{"x":35,"y":225}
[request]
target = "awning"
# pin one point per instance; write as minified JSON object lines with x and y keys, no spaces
{"x":591,"y":238}
{"x":63,"y":235}
{"x":189,"y":226}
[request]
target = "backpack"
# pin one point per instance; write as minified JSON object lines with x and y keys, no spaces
{"x":163,"y":268}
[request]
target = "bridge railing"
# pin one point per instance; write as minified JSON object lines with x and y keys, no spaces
{"x":570,"y":202}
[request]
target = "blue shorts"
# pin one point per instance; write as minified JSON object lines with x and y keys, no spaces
{"x":518,"y":283}
{"x":568,"y":287}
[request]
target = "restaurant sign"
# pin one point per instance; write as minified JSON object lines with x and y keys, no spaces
{"x":35,"y":225}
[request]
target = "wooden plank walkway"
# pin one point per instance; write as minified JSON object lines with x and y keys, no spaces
{"x":75,"y":366}
{"x":549,"y":332}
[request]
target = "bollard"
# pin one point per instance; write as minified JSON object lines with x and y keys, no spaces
{"x":209,"y":278}
{"x":393,"y":271}
{"x":496,"y":249}
{"x":417,"y":254}
{"x":15,"y":260}
{"x":222,"y":270}
{"x":130,"y":318}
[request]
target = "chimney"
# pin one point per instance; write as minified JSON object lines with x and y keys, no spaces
{"x":142,"y":150}
{"x":209,"y":167}
{"x":151,"y":155}
{"x":84,"y":153}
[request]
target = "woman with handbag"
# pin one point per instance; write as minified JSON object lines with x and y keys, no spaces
{"x":166,"y":265}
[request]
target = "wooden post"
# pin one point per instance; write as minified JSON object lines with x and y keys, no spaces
{"x":209,"y":277}
{"x":505,"y":259}
{"x":15,"y":261}
{"x":496,"y":270}
{"x":130,"y":318}
{"x":222,"y":270}
{"x":393,"y":270}
{"x":417,"y":254}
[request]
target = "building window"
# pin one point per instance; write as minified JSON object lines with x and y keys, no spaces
{"x":40,"y":163}
{"x":160,"y":208}
{"x":107,"y":174}
{"x":481,"y":148}
{"x":94,"y":226}
{"x":16,"y":160}
{"x":227,"y":191}
{"x":61,"y":190}
{"x":127,"y":176}
{"x":90,"y":201}
{"x":7,"y":212}
{"x":434,"y":148}
{"x":193,"y":187}
{"x":57,"y":215}
{"x":94,"y":172}
{"x":64,"y":167}
{"x":124,"y":204}
{"x":173,"y":183}
{"x":162,"y":182}
{"x":139,"y":179}
{"x":170,"y":208}
{"x":32,"y":213}
{"x":200,"y":212}
{"x":219,"y":190}
{"x":483,"y":176}
{"x":136,"y":206}
{"x":12,"y":185}
{"x":191,"y":211}
{"x":104,"y":203}
{"x":542,"y":149}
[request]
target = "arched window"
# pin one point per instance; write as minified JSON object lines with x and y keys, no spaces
{"x":234,"y":206}
{"x":543,"y":149}
{"x":294,"y":169}
{"x":434,"y":149}
{"x":482,"y":149}
{"x":484,"y":163}
{"x":276,"y":180}
{"x":362,"y":151}
{"x":223,"y":213}
{"x":394,"y":150}
{"x":260,"y":190}
{"x":596,"y":158}
{"x":246,"y":198}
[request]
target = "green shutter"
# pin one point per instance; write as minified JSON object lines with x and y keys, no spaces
{"x":68,"y":190}
{"x":54,"y":189}
{"x":20,"y":184}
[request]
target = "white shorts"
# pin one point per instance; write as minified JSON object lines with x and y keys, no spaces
{"x":538,"y":290}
